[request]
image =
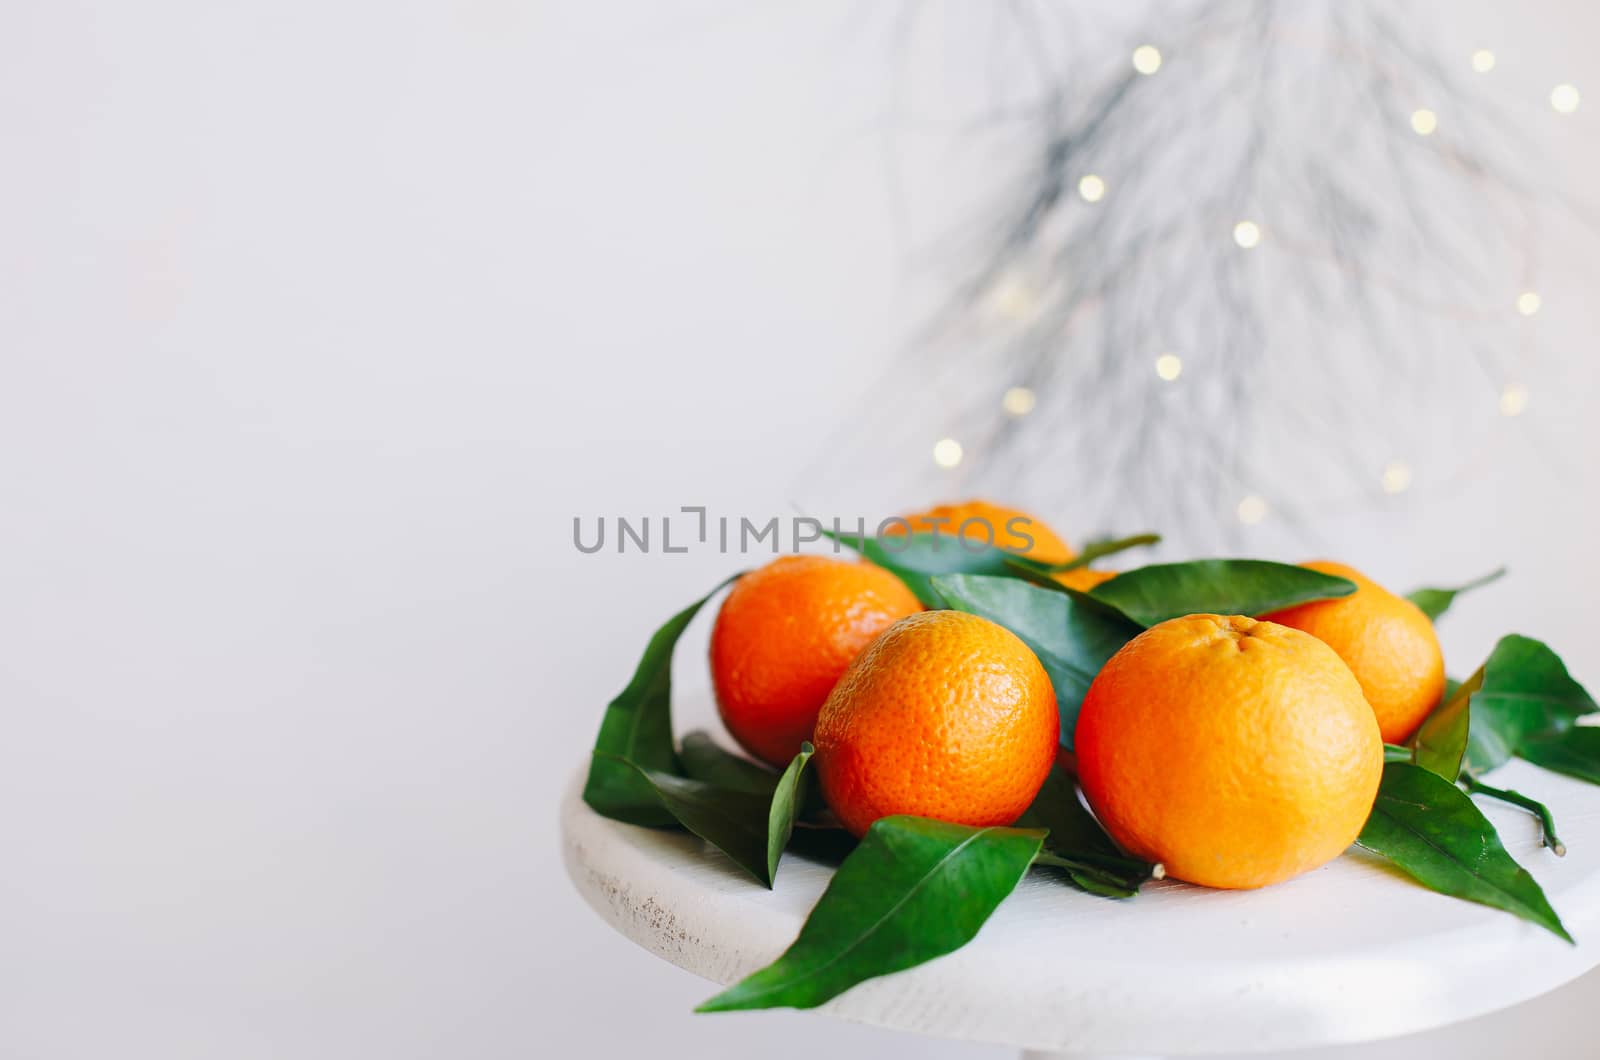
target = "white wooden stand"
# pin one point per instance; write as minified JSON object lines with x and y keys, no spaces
{"x":1351,"y":952}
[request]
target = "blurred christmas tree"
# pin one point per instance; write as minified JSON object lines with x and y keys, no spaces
{"x":1268,"y":260}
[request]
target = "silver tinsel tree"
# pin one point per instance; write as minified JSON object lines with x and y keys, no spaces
{"x":1281,"y":262}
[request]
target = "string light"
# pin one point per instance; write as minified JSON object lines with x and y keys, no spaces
{"x":947,"y":452}
{"x":1147,"y":59}
{"x":1018,"y":401}
{"x":1013,"y":298}
{"x":1252,"y":510}
{"x":1513,"y":399}
{"x":1396,"y":477}
{"x":1016,"y":299}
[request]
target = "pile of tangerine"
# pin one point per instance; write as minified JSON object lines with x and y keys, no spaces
{"x":1233,"y":751}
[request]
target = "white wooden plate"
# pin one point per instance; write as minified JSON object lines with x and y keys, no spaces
{"x":1351,"y":952}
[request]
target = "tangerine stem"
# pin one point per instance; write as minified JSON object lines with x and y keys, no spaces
{"x":1546,"y":822}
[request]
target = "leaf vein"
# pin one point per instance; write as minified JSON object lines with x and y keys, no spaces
{"x":861,"y":938}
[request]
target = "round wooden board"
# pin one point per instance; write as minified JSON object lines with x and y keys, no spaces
{"x":1351,"y":952}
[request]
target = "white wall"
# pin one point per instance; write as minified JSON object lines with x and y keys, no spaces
{"x":319,"y":323}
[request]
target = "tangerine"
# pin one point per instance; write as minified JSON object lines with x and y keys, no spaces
{"x":1386,"y":640}
{"x":944,"y":715}
{"x":1235,"y":752}
{"x":784,"y":635}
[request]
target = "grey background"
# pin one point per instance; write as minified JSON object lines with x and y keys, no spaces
{"x":318,"y":324}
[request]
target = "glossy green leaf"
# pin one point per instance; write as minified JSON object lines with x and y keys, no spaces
{"x":1575,"y":752}
{"x":1077,"y":844}
{"x":705,"y":760}
{"x":1547,"y":821}
{"x":735,"y":822}
{"x":637,"y":728}
{"x":1040,"y":574}
{"x":788,"y":798}
{"x":1072,"y":634}
{"x":749,"y":827}
{"x":912,"y":890}
{"x":1441,"y":740}
{"x":1435,"y":602}
{"x":1106,"y":547}
{"x":1524,"y":690}
{"x":916,"y":558}
{"x":1393,"y":752}
{"x":1430,"y":829}
{"x":1153,"y":594}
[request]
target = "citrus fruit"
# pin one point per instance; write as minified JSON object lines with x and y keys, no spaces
{"x":785,"y":634}
{"x":1009,"y":528}
{"x":1386,"y":640}
{"x":1234,"y":752}
{"x":945,"y":715}
{"x":1083,"y":579}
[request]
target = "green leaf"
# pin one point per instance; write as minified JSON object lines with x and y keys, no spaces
{"x":1524,"y":690}
{"x":1575,"y":752}
{"x":1032,"y":570}
{"x":735,"y":822}
{"x":1441,"y":740}
{"x":1073,"y":830}
{"x":787,"y":800}
{"x":1076,"y":843}
{"x":912,"y":890}
{"x":1153,"y":594}
{"x":749,"y":827}
{"x":1106,"y":547}
{"x":1072,"y":634}
{"x":637,"y":728}
{"x":1435,"y":602}
{"x":1431,"y":830}
{"x":1393,"y":752}
{"x":704,"y":759}
{"x":915,"y":558}
{"x":1547,"y":821}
